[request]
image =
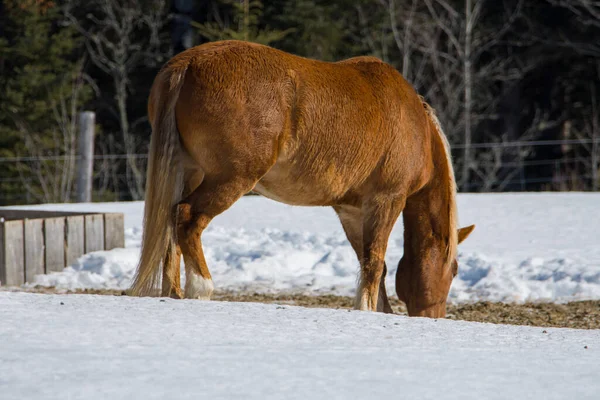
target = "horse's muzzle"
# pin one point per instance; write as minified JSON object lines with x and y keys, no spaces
{"x":435,"y":311}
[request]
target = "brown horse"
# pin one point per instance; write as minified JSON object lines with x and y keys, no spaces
{"x":229,"y":117}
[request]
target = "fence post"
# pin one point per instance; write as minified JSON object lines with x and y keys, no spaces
{"x":85,"y":162}
{"x":595,"y":164}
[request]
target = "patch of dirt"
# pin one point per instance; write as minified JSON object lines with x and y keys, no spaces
{"x":580,"y":314}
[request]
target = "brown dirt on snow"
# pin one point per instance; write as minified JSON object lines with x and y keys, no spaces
{"x":580,"y":314}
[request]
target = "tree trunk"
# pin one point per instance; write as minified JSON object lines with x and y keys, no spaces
{"x":595,"y":128}
{"x":133,"y":173}
{"x":468,"y":95}
{"x":246,"y":19}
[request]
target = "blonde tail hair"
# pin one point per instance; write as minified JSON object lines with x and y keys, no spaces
{"x":164,"y":181}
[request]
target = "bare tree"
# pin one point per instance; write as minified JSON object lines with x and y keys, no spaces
{"x":47,"y":169}
{"x":472,"y":12}
{"x":451,"y":56}
{"x":459,"y":68}
{"x":588,"y":11}
{"x":411,"y":30}
{"x":121,"y":36}
{"x":501,"y":162}
{"x":587,"y":14}
{"x":594,"y":128}
{"x":370,"y":33}
{"x":589,"y":134}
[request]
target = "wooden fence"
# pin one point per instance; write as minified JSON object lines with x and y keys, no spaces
{"x":36,"y":242}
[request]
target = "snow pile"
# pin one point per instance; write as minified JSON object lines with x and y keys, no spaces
{"x":262,"y":260}
{"x":98,"y":270}
{"x":526,"y":247}
{"x":534,"y":279}
{"x":117,"y":347}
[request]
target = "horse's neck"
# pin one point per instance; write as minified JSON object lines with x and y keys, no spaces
{"x":426,"y":216}
{"x":430,"y":214}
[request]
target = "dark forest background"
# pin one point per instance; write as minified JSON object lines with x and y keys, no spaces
{"x":516,"y":83}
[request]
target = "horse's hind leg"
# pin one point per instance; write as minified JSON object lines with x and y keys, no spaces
{"x":171,"y":283}
{"x":378,"y":221}
{"x":194,"y":213}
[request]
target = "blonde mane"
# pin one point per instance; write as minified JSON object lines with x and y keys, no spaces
{"x":452,"y":209}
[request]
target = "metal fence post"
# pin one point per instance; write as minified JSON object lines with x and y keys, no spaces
{"x":85,"y":162}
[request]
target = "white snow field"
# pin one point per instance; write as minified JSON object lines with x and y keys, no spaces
{"x":104,"y":347}
{"x":526,"y":247}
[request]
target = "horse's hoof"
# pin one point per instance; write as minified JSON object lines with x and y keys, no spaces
{"x":196,"y":287}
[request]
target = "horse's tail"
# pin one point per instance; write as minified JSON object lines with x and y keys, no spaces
{"x":164,"y":180}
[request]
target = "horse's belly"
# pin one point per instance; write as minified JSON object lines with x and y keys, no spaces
{"x":306,"y":188}
{"x":277,"y":193}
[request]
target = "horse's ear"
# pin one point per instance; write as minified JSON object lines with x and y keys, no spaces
{"x":463,"y":233}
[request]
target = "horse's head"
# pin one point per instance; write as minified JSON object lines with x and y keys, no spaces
{"x":424,"y":276}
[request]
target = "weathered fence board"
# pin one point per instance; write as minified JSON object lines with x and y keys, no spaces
{"x":74,"y":234}
{"x":54,"y":234}
{"x":94,"y":233}
{"x":13,"y":214}
{"x":34,"y":242}
{"x":12,"y":254}
{"x":114,"y":231}
{"x":34,"y":248}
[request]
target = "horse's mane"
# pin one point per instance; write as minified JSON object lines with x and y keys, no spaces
{"x":451,"y":251}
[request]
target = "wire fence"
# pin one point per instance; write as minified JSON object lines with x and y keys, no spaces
{"x":530,"y":143}
{"x":549,"y":165}
{"x":497,"y":166}
{"x":67,"y":158}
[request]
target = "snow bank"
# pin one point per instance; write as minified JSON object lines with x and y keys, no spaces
{"x":526,"y":247}
{"x":115,"y":347}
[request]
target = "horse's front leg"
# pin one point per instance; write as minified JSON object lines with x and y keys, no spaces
{"x":379,"y":218}
{"x":352,"y":221}
{"x":383,"y":303}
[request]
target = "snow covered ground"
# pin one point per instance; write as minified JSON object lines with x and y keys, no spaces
{"x":526,"y":247}
{"x":104,"y":347}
